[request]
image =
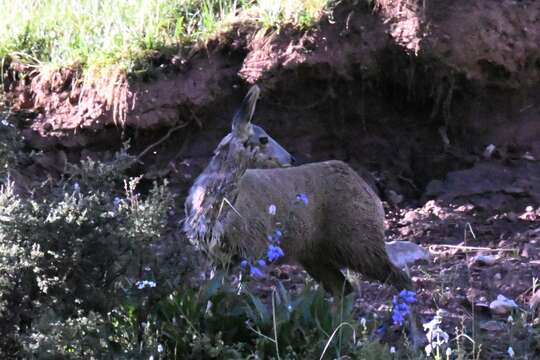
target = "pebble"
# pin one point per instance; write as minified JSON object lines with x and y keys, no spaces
{"x":526,"y":251}
{"x":502,"y":305}
{"x":486,"y":260}
{"x":410,"y":217}
{"x":404,"y":253}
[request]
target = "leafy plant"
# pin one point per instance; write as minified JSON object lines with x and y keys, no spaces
{"x":74,"y":248}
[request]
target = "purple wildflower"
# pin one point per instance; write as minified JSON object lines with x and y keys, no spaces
{"x":303,"y":198}
{"x":145,"y":283}
{"x":275,"y":236}
{"x":261,"y":263}
{"x":409,"y":297}
{"x":256,"y":272}
{"x":243,"y":264}
{"x":397,"y":317}
{"x":274,"y":252}
{"x":401,"y":306}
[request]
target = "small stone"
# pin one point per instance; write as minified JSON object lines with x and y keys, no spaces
{"x":409,"y":217}
{"x":492,"y":326}
{"x":403,"y":253}
{"x":497,"y":276}
{"x":490,"y":149}
{"x":526,"y":251}
{"x":502,"y":305}
{"x":465,"y":208}
{"x":484,"y":260}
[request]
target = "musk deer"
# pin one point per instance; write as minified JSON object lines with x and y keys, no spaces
{"x":336,"y":222}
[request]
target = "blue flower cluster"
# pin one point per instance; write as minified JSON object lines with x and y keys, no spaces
{"x":274,"y":250}
{"x":402,"y":306}
{"x":302,"y":198}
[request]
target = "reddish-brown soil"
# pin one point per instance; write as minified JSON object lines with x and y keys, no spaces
{"x":409,"y":95}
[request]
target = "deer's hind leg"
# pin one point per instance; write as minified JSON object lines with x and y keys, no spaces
{"x":376,"y":265}
{"x":330,"y":276}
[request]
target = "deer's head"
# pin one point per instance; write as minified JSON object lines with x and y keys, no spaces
{"x":263,"y":151}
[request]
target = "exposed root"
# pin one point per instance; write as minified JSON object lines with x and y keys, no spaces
{"x":169,"y":133}
{"x":114,"y":93}
{"x":433,"y":247}
{"x":97,"y":91}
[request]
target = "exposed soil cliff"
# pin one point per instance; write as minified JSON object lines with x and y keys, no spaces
{"x":409,"y":92}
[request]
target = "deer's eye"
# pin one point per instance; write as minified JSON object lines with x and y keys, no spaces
{"x":263,"y":140}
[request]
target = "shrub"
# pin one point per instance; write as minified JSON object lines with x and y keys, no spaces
{"x":219,"y":322}
{"x":72,"y":253}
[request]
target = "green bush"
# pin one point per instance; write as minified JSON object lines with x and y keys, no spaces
{"x":74,"y":252}
{"x":217,"y":321}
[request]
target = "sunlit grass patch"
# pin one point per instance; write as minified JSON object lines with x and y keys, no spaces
{"x":121,"y":32}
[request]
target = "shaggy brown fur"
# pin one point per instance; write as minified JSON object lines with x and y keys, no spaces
{"x":340,"y":226}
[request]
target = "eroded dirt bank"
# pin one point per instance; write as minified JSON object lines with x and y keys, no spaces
{"x":410,"y":96}
{"x":408,"y":92}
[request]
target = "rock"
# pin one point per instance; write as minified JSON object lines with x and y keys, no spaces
{"x":409,"y":217}
{"x":484,"y":260}
{"x":492,"y":326}
{"x":528,"y":156}
{"x":403,"y":253}
{"x":490,"y":149}
{"x":502,"y":305}
{"x":526,"y":252}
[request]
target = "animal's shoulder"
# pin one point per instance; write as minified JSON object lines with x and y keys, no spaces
{"x":332,"y":165}
{"x":329,"y":168}
{"x":256,"y":177}
{"x":323,"y":168}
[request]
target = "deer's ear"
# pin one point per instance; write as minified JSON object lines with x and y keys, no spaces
{"x":242,"y":119}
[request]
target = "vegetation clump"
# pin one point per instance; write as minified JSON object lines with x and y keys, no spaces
{"x":124,"y":33}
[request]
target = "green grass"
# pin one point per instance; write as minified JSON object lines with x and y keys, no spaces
{"x":122,"y":32}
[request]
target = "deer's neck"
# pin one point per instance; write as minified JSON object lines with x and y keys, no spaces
{"x":212,"y":192}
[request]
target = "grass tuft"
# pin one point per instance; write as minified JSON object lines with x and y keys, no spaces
{"x":122,"y":32}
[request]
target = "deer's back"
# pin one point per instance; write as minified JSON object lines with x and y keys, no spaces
{"x":325,"y":201}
